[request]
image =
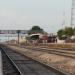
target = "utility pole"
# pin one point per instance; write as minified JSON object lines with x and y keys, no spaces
{"x":18,"y":31}
{"x":73,"y":13}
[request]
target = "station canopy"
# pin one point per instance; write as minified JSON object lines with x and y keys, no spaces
{"x":35,"y":36}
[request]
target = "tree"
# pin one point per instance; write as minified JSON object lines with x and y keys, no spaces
{"x":74,"y":30}
{"x":60,"y":34}
{"x":35,"y":29}
{"x":68,"y":31}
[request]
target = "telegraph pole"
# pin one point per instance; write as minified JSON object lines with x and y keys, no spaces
{"x":73,"y":13}
{"x":18,"y":31}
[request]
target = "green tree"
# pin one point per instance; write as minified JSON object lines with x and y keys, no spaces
{"x":35,"y":29}
{"x":60,"y":33}
{"x":74,"y":30}
{"x":68,"y":31}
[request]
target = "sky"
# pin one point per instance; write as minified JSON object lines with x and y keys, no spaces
{"x":23,"y":14}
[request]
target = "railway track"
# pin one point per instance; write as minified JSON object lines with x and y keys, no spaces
{"x":28,"y":66}
{"x":8,"y":67}
{"x":61,"y":52}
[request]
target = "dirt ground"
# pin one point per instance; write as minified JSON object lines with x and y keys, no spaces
{"x":58,"y":46}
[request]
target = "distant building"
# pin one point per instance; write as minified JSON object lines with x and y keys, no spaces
{"x":60,"y":41}
{"x":43,"y":38}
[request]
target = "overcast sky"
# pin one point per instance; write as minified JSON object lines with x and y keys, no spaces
{"x":23,"y":14}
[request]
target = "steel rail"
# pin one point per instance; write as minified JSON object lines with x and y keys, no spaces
{"x":12,"y":62}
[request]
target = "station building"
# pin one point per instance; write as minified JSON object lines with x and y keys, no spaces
{"x":43,"y":38}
